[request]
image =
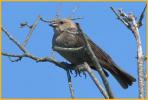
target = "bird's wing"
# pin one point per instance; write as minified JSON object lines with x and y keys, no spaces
{"x":106,"y":62}
{"x":100,"y":54}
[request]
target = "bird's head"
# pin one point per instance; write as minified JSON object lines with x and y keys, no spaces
{"x":61,"y":25}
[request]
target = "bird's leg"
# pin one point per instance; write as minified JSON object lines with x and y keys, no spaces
{"x":77,"y":68}
{"x":68,"y":65}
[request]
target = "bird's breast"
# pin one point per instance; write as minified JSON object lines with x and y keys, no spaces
{"x":67,"y":40}
{"x":74,"y":57}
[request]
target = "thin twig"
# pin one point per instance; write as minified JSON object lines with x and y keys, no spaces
{"x":49,"y":21}
{"x":118,"y":17}
{"x":13,"y":40}
{"x":31,"y":31}
{"x":31,"y":28}
{"x":70,"y":84}
{"x":74,"y":11}
{"x":44,"y":20}
{"x":93,"y":77}
{"x":141,"y":17}
{"x":12,"y":55}
{"x":58,"y":11}
{"x":76,"y":18}
{"x":96,"y":63}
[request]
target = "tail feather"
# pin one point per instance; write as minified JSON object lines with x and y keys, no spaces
{"x":107,"y":63}
{"x":122,"y":77}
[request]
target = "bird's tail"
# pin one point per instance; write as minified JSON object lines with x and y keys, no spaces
{"x":122,"y":77}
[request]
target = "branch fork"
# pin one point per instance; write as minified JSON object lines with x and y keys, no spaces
{"x":131,"y":22}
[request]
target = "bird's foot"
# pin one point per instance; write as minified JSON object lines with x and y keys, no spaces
{"x":79,"y":69}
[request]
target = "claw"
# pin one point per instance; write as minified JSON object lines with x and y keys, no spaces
{"x":76,"y":73}
{"x":78,"y":70}
{"x":84,"y":74}
{"x":70,"y":71}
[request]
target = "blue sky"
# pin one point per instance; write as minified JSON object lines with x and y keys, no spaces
{"x":44,"y":80}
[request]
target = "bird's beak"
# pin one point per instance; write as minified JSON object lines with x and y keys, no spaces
{"x":53,"y":24}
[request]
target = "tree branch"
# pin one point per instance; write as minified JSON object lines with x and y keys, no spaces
{"x":119,"y":17}
{"x":31,"y":28}
{"x":134,"y":27}
{"x":93,"y":77}
{"x":14,"y":40}
{"x":62,"y":65}
{"x":70,"y":84}
{"x":96,"y":63}
{"x":12,"y":55}
{"x":31,"y":31}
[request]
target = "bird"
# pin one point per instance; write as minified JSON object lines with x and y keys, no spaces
{"x":66,"y":35}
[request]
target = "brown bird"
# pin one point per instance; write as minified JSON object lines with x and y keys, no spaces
{"x":66,"y":35}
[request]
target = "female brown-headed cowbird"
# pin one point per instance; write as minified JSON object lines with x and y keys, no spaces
{"x":66,"y":35}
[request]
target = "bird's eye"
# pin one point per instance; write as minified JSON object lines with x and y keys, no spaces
{"x":61,"y":22}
